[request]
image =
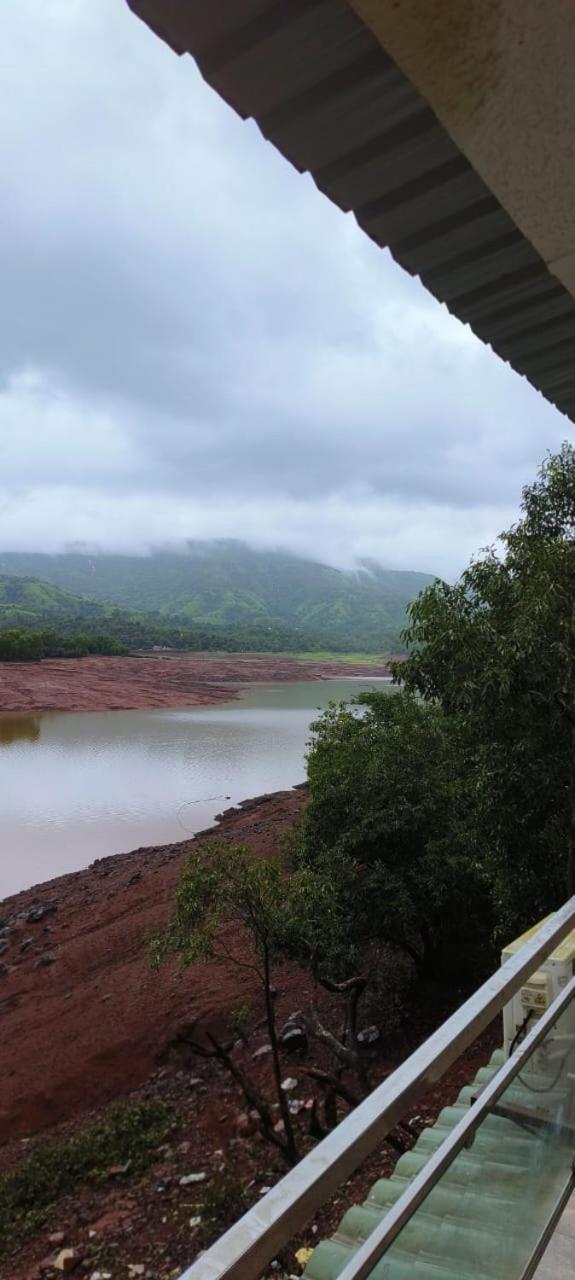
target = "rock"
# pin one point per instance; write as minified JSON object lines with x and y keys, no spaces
{"x":26,"y":944}
{"x":194,"y":1082}
{"x":293,"y":1037}
{"x":190,"y":1178}
{"x":262,"y":1052}
{"x":118,"y":1170}
{"x":66,"y":1260}
{"x":195,"y":1222}
{"x":279,"y":1127}
{"x":136,"y":1269}
{"x":40,"y":910}
{"x":4,"y":944}
{"x":245,"y":1125}
{"x":369,"y":1035}
{"x":57,"y":1237}
{"x":295,"y":1106}
{"x":137,"y":875}
{"x":289,"y":1084}
{"x":43,"y":962}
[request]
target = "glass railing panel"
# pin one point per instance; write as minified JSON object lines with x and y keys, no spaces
{"x":487,"y":1214}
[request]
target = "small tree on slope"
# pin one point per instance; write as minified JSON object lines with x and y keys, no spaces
{"x":249,"y":913}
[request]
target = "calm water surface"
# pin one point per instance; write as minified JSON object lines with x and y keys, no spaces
{"x":78,"y":786}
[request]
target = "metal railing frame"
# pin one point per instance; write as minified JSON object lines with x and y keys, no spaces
{"x":246,"y":1249}
{"x":364,"y":1259}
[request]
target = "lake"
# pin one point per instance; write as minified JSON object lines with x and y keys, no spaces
{"x":78,"y":786}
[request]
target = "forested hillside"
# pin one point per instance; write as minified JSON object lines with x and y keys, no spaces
{"x":223,"y":584}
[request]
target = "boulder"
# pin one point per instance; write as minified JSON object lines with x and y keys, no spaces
{"x":66,"y":1260}
{"x":292,"y":1035}
{"x":40,"y":910}
{"x":245,"y":1125}
{"x":368,"y":1035}
{"x":262,"y":1052}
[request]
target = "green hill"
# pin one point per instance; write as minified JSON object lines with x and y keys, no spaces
{"x":227,"y":584}
{"x":26,"y":601}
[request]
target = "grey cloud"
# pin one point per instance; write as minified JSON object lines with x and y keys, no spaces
{"x":189,"y":328}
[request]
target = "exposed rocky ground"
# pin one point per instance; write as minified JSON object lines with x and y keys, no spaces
{"x":85,"y":1022}
{"x":83,"y":1017}
{"x":115,"y":684}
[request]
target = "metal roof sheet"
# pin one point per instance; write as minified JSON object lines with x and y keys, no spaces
{"x":326,"y":94}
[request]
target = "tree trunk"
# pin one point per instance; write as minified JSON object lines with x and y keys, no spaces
{"x":290,"y":1144}
{"x":251,"y":1094}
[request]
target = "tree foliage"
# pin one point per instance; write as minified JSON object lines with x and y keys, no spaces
{"x":225,"y":898}
{"x":497,"y":650}
{"x":17,"y":645}
{"x":222,"y":887}
{"x":388,"y":813}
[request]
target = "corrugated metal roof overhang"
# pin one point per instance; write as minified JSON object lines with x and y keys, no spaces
{"x":322,"y":89}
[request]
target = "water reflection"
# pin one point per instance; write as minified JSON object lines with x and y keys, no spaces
{"x":103,"y":782}
{"x":19,"y":728}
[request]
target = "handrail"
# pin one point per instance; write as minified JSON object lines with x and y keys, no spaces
{"x":246,"y":1249}
{"x":378,"y":1241}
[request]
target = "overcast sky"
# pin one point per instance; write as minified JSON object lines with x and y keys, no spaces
{"x":195,"y":343}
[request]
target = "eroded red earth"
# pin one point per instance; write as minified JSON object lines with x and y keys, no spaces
{"x":83,"y":1017}
{"x":84,"y":1021}
{"x":131,"y":683}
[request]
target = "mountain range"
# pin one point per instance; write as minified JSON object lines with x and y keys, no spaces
{"x":219,"y":584}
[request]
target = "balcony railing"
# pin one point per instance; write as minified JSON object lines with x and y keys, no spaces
{"x":246,"y":1249}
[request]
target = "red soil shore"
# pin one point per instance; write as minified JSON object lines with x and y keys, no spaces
{"x":114,"y":684}
{"x":84,"y":1021}
{"x":83,"y":1017}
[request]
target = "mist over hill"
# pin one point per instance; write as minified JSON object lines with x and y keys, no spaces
{"x":227,"y":583}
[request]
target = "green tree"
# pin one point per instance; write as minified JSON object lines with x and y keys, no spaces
{"x":20,"y":646}
{"x":223,"y":891}
{"x":498,"y":651}
{"x":226,"y":896}
{"x":389,"y":809}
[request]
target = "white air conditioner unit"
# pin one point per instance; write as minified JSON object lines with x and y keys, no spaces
{"x":539,"y":991}
{"x":548,"y":1077}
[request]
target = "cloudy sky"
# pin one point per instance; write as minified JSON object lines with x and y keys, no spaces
{"x":194,"y":343}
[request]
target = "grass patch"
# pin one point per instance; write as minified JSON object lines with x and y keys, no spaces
{"x":222,"y":1203}
{"x":129,"y":1133}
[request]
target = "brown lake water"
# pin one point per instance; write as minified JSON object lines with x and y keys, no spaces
{"x":78,"y":786}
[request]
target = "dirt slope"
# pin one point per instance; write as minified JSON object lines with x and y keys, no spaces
{"x":83,"y":1018}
